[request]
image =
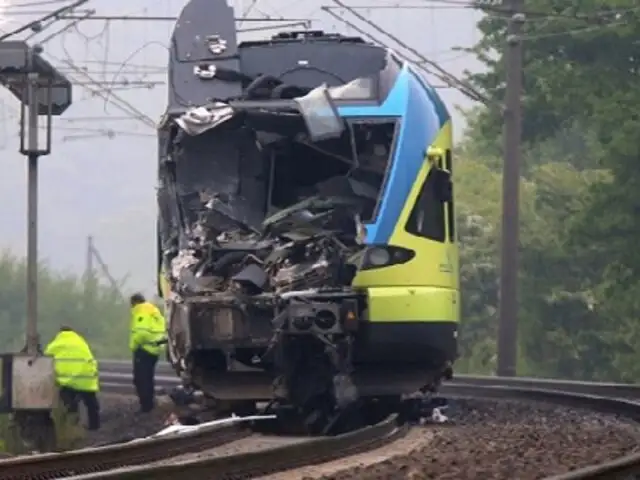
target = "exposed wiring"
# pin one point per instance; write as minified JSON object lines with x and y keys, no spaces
{"x":36,"y":23}
{"x":60,"y":31}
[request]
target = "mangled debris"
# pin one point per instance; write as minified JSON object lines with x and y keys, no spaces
{"x":307,"y":246}
{"x":268,"y":202}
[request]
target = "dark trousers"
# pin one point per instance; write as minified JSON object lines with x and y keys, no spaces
{"x":71,"y":399}
{"x":144,"y":370}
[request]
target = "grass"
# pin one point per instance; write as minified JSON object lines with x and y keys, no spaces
{"x":69,"y":430}
{"x":69,"y":433}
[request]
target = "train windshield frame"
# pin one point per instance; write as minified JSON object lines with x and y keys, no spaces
{"x":391,"y":147}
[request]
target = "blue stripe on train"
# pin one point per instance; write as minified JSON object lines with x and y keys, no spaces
{"x":422,"y":119}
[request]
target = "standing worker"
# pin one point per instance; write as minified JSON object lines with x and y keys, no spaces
{"x":147,"y":338}
{"x":76,"y":373}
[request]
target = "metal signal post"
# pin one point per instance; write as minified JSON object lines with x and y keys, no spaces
{"x":32,"y":152}
{"x":28,"y":379}
{"x":508,"y":303}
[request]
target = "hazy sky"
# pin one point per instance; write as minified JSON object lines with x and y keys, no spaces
{"x":100,"y":178}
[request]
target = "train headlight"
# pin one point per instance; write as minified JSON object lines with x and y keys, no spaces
{"x":378,"y":257}
{"x":384,"y":256}
{"x":325,"y":320}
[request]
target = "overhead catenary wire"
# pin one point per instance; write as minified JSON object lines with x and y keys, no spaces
{"x":36,"y":3}
{"x":566,"y":14}
{"x":440,"y":73}
{"x":247,"y":11}
{"x":106,"y":88}
{"x":97,"y":85}
{"x":60,"y":31}
{"x":125,"y":75}
{"x":436,"y":70}
{"x":170,"y":18}
{"x":51,"y":15}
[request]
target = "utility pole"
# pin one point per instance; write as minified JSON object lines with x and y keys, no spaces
{"x":92,"y":255}
{"x":508,"y":303}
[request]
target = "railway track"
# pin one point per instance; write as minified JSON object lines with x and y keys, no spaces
{"x":267,"y":461}
{"x":144,"y":459}
{"x":92,"y":460}
{"x":147,"y":459}
{"x":116,"y":376}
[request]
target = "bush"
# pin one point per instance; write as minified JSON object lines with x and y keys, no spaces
{"x":97,"y":312}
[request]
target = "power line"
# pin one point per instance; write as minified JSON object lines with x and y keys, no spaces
{"x":60,"y":31}
{"x":37,"y":24}
{"x":97,"y":85}
{"x":488,"y":7}
{"x":575,"y":31}
{"x":95,"y":88}
{"x":36,"y":3}
{"x":152,"y":18}
{"x":126,"y":75}
{"x":436,"y":70}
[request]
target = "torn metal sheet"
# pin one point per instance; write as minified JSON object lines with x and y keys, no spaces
{"x":200,"y":119}
{"x":320,"y":114}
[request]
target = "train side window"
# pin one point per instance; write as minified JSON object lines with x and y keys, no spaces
{"x":427,"y":218}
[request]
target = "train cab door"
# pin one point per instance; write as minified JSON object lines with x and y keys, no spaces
{"x":443,"y":162}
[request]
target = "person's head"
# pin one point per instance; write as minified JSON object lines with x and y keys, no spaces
{"x":66,"y":328}
{"x":136,"y":299}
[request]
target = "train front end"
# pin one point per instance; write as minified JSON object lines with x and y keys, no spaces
{"x":410,"y":267}
{"x":305,"y":235}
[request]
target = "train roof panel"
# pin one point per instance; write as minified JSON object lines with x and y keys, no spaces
{"x":311,"y":63}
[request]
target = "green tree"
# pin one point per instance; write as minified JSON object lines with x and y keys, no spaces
{"x":97,"y":312}
{"x":579,"y":58}
{"x":552,"y":284}
{"x":580,"y":266}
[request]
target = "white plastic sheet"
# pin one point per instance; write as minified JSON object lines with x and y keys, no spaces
{"x":182,"y":429}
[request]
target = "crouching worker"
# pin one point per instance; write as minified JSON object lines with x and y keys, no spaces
{"x":76,"y":374}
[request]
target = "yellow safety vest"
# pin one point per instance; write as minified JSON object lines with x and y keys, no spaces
{"x":147,"y":328}
{"x":75,"y":365}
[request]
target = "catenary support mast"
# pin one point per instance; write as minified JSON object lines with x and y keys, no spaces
{"x":508,"y":305}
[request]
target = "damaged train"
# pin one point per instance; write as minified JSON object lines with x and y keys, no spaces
{"x":306,"y":245}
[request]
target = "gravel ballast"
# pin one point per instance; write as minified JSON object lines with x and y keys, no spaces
{"x":491,"y":440}
{"x":486,"y":439}
{"x":121,"y":421}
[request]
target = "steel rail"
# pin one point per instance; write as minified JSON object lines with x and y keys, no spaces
{"x":138,"y":452}
{"x":112,"y":371}
{"x":104,"y":463}
{"x":601,"y":397}
{"x":268,"y":461}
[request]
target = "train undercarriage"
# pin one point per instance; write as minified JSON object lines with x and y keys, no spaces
{"x":312,"y":371}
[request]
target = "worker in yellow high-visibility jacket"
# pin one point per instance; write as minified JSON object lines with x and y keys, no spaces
{"x":76,"y":373}
{"x":147,"y":337}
